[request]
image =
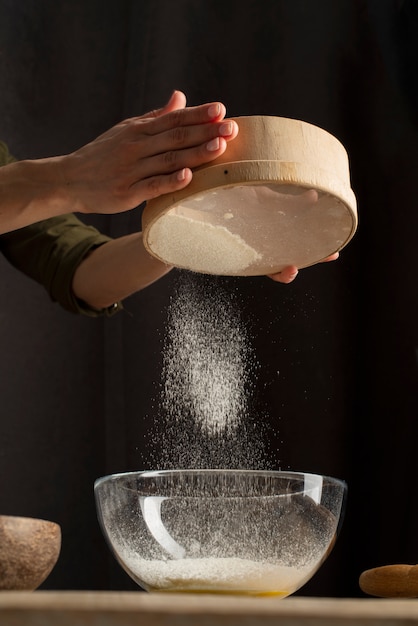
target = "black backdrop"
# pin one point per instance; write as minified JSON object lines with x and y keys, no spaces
{"x":78,"y":395}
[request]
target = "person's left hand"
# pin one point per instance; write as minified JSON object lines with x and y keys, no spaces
{"x":288,"y":274}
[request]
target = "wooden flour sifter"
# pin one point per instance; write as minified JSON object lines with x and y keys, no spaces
{"x":280,"y":195}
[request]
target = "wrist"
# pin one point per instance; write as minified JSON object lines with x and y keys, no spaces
{"x":30,"y":191}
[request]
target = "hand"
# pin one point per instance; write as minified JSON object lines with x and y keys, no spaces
{"x":288,"y":274}
{"x":147,"y":156}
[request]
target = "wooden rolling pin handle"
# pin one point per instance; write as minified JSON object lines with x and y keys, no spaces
{"x":391,"y":581}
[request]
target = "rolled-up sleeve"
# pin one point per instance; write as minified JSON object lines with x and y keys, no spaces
{"x":50,"y":252}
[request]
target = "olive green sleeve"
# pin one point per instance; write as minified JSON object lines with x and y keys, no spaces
{"x":50,"y":252}
{"x":5,"y":156}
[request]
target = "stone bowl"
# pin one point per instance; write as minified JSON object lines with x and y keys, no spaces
{"x":29,"y":550}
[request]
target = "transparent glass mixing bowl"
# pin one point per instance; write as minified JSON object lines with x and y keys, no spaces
{"x":220,"y":531}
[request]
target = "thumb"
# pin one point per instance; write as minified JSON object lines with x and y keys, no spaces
{"x":177,"y":101}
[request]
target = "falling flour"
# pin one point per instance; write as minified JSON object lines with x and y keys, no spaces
{"x":201,"y":246}
{"x":225,"y":574}
{"x":206,"y":416}
{"x":206,"y":419}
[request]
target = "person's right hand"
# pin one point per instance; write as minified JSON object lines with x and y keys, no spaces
{"x":144,"y":157}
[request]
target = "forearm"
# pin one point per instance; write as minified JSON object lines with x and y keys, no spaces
{"x":116,"y":270}
{"x":31,"y":191}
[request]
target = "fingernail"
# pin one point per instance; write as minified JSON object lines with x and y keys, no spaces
{"x":214,"y":110}
{"x":213,"y":145}
{"x":225,"y":129}
{"x":181,"y":175}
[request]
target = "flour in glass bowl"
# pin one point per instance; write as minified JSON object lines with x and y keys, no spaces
{"x":227,"y":575}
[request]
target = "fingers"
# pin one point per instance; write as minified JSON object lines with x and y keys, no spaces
{"x":158,"y":185}
{"x":286,"y":276}
{"x":155,"y":124}
{"x":311,"y":196}
{"x":175,"y":113}
{"x":182,"y":137}
{"x":332,"y":257}
{"x":170,"y":170}
{"x":190,"y":148}
{"x":176,"y":101}
{"x":170,"y":139}
{"x":147,"y":123}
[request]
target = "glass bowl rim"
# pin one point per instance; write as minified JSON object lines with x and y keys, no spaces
{"x":166,"y":472}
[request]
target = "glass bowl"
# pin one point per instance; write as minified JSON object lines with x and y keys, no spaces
{"x":220,"y":531}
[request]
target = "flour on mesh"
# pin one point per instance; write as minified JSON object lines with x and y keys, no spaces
{"x":199,"y":245}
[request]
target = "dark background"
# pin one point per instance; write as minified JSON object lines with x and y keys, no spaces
{"x":77,"y":395}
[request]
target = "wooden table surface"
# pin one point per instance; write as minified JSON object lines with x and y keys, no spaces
{"x":94,"y":608}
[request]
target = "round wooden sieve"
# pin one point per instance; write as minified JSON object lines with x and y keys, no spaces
{"x":280,"y":195}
